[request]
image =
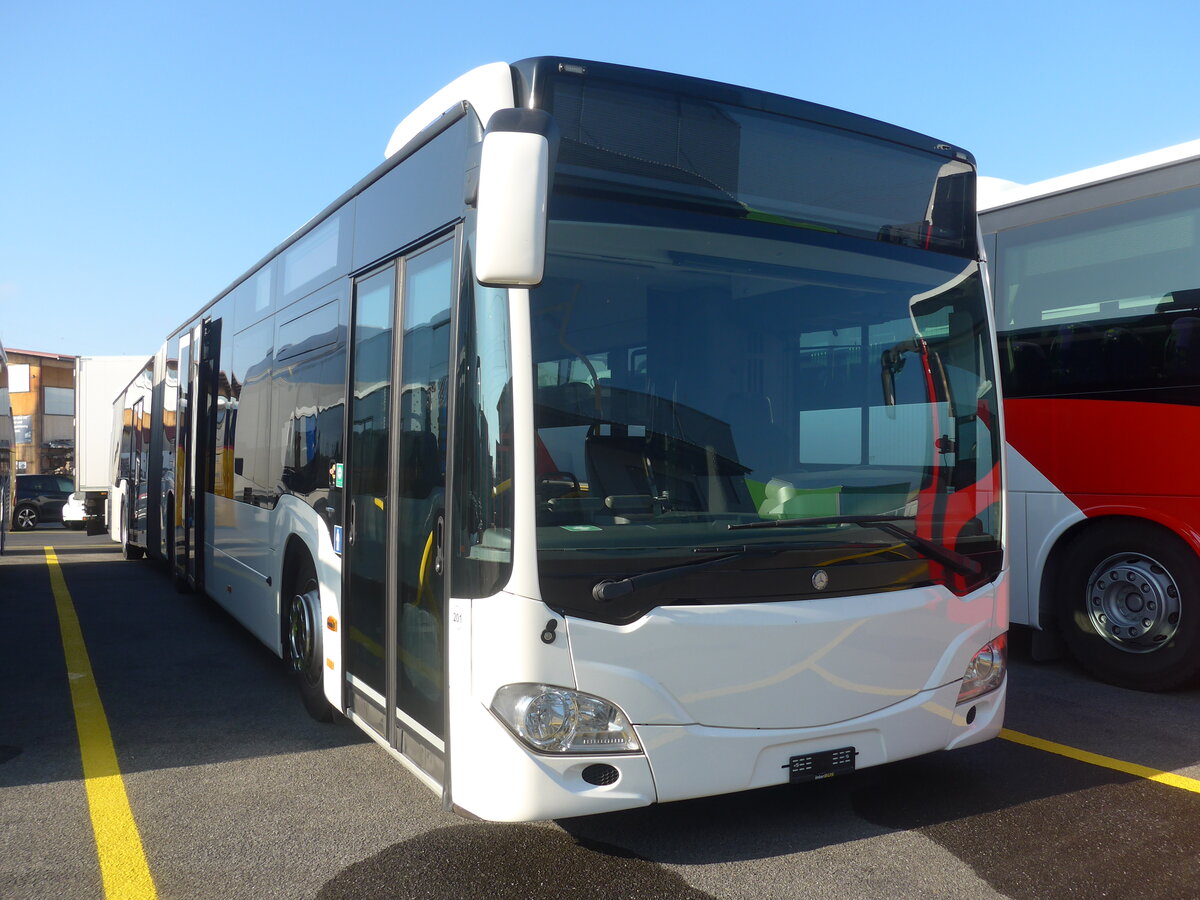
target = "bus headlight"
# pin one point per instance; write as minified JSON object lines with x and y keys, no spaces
{"x":559,"y":720}
{"x":986,"y":669}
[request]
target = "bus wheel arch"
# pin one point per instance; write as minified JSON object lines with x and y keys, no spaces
{"x":302,"y":632}
{"x":1126,"y":597}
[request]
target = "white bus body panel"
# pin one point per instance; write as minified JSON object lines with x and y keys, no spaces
{"x":240,"y":560}
{"x":879,"y":673}
{"x":244,"y":567}
{"x":487,"y":88}
{"x":784,"y":665}
{"x":118,"y":501}
{"x":997,"y":192}
{"x":1042,"y":514}
{"x":497,"y":641}
{"x":696,"y":761}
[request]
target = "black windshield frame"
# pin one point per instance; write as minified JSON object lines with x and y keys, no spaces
{"x":662,"y":138}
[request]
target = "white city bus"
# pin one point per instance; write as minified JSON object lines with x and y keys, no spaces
{"x":1097,"y":286}
{"x":622,"y":438}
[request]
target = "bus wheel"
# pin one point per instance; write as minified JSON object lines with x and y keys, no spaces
{"x":1129,"y":606}
{"x":304,"y":643}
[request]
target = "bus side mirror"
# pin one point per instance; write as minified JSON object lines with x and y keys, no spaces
{"x":513,"y":196}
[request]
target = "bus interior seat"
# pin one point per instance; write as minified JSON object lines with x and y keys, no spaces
{"x":621,"y":466}
{"x":616,"y":463}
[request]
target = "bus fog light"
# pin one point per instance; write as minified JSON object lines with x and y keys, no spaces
{"x":559,"y":720}
{"x":985,"y":671}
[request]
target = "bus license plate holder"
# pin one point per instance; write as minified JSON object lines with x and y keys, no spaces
{"x":816,"y":766}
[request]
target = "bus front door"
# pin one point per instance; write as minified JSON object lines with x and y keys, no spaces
{"x":395,"y":471}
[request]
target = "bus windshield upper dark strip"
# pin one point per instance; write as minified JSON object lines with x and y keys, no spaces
{"x":670,"y":147}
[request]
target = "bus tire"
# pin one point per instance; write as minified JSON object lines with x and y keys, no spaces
{"x":1128,"y":604}
{"x":303,"y":644}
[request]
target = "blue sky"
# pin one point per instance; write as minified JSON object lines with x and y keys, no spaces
{"x":151,"y":152}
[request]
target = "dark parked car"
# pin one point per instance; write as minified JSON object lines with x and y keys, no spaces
{"x":39,"y":498}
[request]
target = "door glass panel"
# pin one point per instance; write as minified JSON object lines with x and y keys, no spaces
{"x":421,"y":482}
{"x":138,"y":463}
{"x":367,"y":472}
{"x":183,"y":452}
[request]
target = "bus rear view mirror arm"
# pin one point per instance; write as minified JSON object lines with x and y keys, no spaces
{"x":891,"y":362}
{"x":515,"y":167}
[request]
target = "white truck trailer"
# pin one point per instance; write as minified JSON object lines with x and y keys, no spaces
{"x":98,"y":379}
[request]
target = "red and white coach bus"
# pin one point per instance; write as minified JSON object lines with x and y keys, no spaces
{"x":1097,"y":292}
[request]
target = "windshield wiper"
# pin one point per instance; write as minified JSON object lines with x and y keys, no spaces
{"x":959,"y":562}
{"x":611,"y":590}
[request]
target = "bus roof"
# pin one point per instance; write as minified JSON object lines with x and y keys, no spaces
{"x":996,"y":193}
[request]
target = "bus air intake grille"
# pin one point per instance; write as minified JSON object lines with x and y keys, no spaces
{"x":601,"y":775}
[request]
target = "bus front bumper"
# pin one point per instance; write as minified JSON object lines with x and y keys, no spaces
{"x":681,"y":762}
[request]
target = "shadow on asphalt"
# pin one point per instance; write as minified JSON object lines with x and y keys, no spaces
{"x":918,"y":793}
{"x":506,"y":862}
{"x":1032,"y":826}
{"x":182,"y":682}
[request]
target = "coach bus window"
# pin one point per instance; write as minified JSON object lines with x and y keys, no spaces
{"x":1104,"y":300}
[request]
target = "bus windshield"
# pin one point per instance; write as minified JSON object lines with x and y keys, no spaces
{"x":695,"y":372}
{"x":773,"y":165}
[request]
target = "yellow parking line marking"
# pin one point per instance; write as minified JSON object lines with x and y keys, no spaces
{"x":1118,"y":765}
{"x":123,"y":866}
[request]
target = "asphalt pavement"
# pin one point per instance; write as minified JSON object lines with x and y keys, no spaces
{"x":236,"y":793}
